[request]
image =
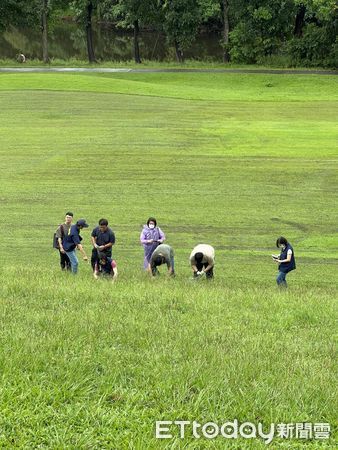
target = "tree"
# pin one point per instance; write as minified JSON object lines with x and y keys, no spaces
{"x":44,"y":29}
{"x":35,"y":14}
{"x":226,"y":29}
{"x":132,"y":14}
{"x":181,"y":20}
{"x":315,"y":32}
{"x":10,"y":12}
{"x":260,"y":28}
{"x":84,"y":10}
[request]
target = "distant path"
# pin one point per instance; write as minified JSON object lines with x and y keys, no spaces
{"x":108,"y":70}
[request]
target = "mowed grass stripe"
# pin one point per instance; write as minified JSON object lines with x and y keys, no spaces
{"x":226,"y":160}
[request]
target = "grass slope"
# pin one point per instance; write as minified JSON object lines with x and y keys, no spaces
{"x":230,"y":159}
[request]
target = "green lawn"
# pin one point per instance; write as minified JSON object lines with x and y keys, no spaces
{"x":234,"y":160}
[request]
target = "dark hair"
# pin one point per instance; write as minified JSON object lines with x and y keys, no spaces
{"x":281,"y":241}
{"x":158,"y":261}
{"x":198,"y":256}
{"x":151,"y":219}
{"x":69,"y":214}
{"x":102,"y":255}
{"x":103,"y":222}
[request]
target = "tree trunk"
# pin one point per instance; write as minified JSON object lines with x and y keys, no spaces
{"x":44,"y":28}
{"x":89,"y":33}
{"x":299,"y":22}
{"x":136,"y":44}
{"x":225,"y":11}
{"x":179,"y":53}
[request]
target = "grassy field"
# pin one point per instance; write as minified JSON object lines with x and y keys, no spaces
{"x":234,"y":160}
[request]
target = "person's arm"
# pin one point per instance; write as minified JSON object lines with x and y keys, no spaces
{"x":288,"y":257}
{"x":161,"y":236}
{"x":83,"y":253}
{"x":96,"y":271}
{"x":93,"y":238}
{"x":144,"y":240}
{"x":105,"y":246}
{"x":170,"y":263}
{"x":115,"y":273}
{"x":114,"y":270}
{"x":62,"y":250}
{"x":193,"y":265}
{"x":150,"y":270}
{"x":58,"y":235}
{"x":209,"y":266}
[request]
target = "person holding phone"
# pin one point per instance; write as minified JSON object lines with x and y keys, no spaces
{"x":151,"y":237}
{"x":285,"y":260}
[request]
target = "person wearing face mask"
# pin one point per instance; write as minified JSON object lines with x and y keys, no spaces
{"x":286,"y":260}
{"x":151,"y":237}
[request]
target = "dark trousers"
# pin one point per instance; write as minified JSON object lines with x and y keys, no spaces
{"x":95,"y":258}
{"x":64,"y":261}
{"x":200,"y":266}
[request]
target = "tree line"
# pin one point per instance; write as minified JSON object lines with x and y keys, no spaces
{"x":303,"y":32}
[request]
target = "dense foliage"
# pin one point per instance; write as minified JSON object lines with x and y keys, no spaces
{"x":300,"y":32}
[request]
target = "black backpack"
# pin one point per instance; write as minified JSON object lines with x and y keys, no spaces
{"x":55,"y":239}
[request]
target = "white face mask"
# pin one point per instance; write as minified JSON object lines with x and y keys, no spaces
{"x":151,"y":226}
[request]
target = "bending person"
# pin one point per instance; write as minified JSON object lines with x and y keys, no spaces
{"x":105,"y":266}
{"x":202,"y":260}
{"x":163,"y":254}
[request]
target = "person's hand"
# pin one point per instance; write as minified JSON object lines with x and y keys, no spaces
{"x":85,"y":258}
{"x":96,"y":276}
{"x":96,"y":246}
{"x":150,"y":241}
{"x":62,"y":250}
{"x":202,"y":273}
{"x":101,"y":247}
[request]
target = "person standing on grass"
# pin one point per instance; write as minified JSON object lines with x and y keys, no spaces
{"x":286,"y":260}
{"x":103,"y":238}
{"x":61,"y":231}
{"x":202,"y":261}
{"x":105,"y":266}
{"x":163,"y":254}
{"x":151,"y":237}
{"x":72,"y":241}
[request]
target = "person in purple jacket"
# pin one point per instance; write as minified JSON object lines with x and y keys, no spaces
{"x":150,"y":238}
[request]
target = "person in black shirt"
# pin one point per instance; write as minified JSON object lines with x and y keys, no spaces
{"x":286,"y":260}
{"x":103,"y":238}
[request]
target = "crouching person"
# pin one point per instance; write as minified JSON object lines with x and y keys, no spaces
{"x":105,"y":267}
{"x":202,"y":261}
{"x":163,"y":254}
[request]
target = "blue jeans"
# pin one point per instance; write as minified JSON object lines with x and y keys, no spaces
{"x":74,"y":262}
{"x":281,"y":281}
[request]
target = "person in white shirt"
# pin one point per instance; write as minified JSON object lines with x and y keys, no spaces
{"x":202,"y":261}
